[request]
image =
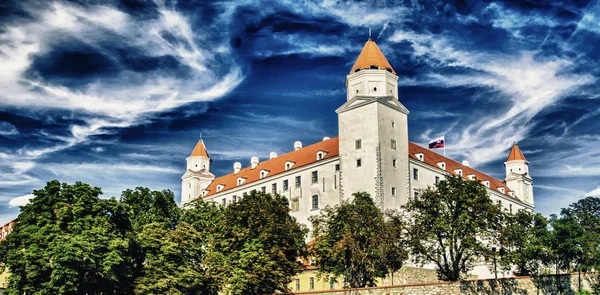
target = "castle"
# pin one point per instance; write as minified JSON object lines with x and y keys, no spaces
{"x":371,"y":154}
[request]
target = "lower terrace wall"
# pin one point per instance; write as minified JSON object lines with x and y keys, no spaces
{"x":566,"y":284}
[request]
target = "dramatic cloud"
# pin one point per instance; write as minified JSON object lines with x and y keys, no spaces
{"x":20,"y":201}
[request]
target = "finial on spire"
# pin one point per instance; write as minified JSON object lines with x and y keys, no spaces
{"x":369,"y":33}
{"x":200,"y":135}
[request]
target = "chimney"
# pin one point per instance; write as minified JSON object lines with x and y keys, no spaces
{"x":237,"y":166}
{"x":465,"y":163}
{"x":325,"y":138}
{"x":272,"y":155}
{"x":297,"y":145}
{"x":254,"y":162}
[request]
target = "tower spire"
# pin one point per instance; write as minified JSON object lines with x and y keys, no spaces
{"x":370,"y":34}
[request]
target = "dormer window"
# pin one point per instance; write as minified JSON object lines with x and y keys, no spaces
{"x":420,"y":156}
{"x":442,"y":165}
{"x":321,"y":155}
{"x":220,"y":187}
{"x":501,"y":189}
{"x":289,"y":165}
{"x":263,"y":173}
{"x":472,"y":177}
{"x":486,"y":183}
{"x":204,"y":193}
{"x":458,"y":172}
{"x":512,"y":194}
{"x":240,"y":180}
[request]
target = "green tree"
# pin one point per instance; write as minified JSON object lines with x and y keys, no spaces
{"x":355,"y":241}
{"x":174,"y":262}
{"x":148,"y":206}
{"x":451,"y":224}
{"x":525,"y":243}
{"x":259,"y":245}
{"x":69,"y":241}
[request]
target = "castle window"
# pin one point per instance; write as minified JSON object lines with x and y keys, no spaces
{"x":224,"y":201}
{"x":374,"y":88}
{"x":510,"y":208}
{"x":315,"y":176}
{"x":298,"y":181}
{"x":311,"y":280}
{"x":297,"y":284}
{"x":415,"y":174}
{"x":472,"y":177}
{"x":501,"y":189}
{"x":289,"y":165}
{"x":416,"y":195}
{"x":357,"y":144}
{"x":393,"y":191}
{"x":234,"y":199}
{"x":393,"y":143}
{"x":220,"y":187}
{"x":315,"y":202}
{"x":240,"y":180}
{"x":263,"y":173}
{"x":274,"y":188}
{"x":358,"y":162}
{"x":394,"y":163}
{"x":285,"y":185}
{"x":319,"y":156}
{"x":437,"y":179}
{"x":244,"y":194}
{"x":393,"y":123}
{"x":337,"y":167}
{"x":263,"y":189}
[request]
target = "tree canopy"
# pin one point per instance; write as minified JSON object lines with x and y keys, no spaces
{"x":451,"y":224}
{"x":354,"y":240}
{"x":69,"y":241}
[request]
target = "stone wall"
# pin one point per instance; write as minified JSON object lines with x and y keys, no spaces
{"x":566,"y":284}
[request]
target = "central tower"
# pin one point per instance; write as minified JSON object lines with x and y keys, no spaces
{"x":373,"y":132}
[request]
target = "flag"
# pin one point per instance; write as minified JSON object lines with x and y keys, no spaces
{"x":437,"y":143}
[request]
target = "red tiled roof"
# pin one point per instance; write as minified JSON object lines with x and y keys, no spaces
{"x":302,"y":157}
{"x":308,"y":155}
{"x":371,"y":56}
{"x":432,"y":159}
{"x":199,"y":150}
{"x":515,"y":154}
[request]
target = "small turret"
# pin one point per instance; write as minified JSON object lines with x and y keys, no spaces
{"x":197,"y":176}
{"x":517,"y":178}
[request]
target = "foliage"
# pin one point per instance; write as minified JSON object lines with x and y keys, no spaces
{"x":354,"y":240}
{"x":524,"y":243}
{"x":174,"y":262}
{"x":259,"y":245}
{"x":148,"y":206}
{"x":451,"y":224}
{"x":69,"y":241}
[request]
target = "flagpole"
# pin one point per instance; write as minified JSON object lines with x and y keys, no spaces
{"x":444,"y":135}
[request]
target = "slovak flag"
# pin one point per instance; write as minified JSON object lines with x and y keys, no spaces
{"x":437,"y":143}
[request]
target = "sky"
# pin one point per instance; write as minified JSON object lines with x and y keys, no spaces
{"x":117,"y":93}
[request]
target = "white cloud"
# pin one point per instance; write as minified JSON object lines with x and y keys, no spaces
{"x":20,"y":201}
{"x":593,"y":193}
{"x":530,"y":84}
{"x":103,"y":99}
{"x":8,"y":129}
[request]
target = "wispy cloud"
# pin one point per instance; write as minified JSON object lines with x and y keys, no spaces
{"x":528,"y":82}
{"x":7,"y":129}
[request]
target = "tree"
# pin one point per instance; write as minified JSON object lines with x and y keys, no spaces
{"x":69,"y":241}
{"x":354,"y":240}
{"x":451,"y":224}
{"x":148,"y":206}
{"x":524,"y":243}
{"x":259,"y":245}
{"x":174,"y":262}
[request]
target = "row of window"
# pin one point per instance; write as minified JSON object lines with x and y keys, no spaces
{"x":358,"y":144}
{"x":311,"y":283}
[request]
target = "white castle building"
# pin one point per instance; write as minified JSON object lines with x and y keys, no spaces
{"x":371,"y":154}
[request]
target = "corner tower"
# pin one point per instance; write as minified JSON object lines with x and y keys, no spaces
{"x":517,"y":175}
{"x":197,"y":176}
{"x":373,"y":132}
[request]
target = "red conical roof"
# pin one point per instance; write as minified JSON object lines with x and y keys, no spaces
{"x":371,"y":56}
{"x":199,"y":150}
{"x":515,"y":154}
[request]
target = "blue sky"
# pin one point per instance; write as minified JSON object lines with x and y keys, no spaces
{"x":116,"y":94}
